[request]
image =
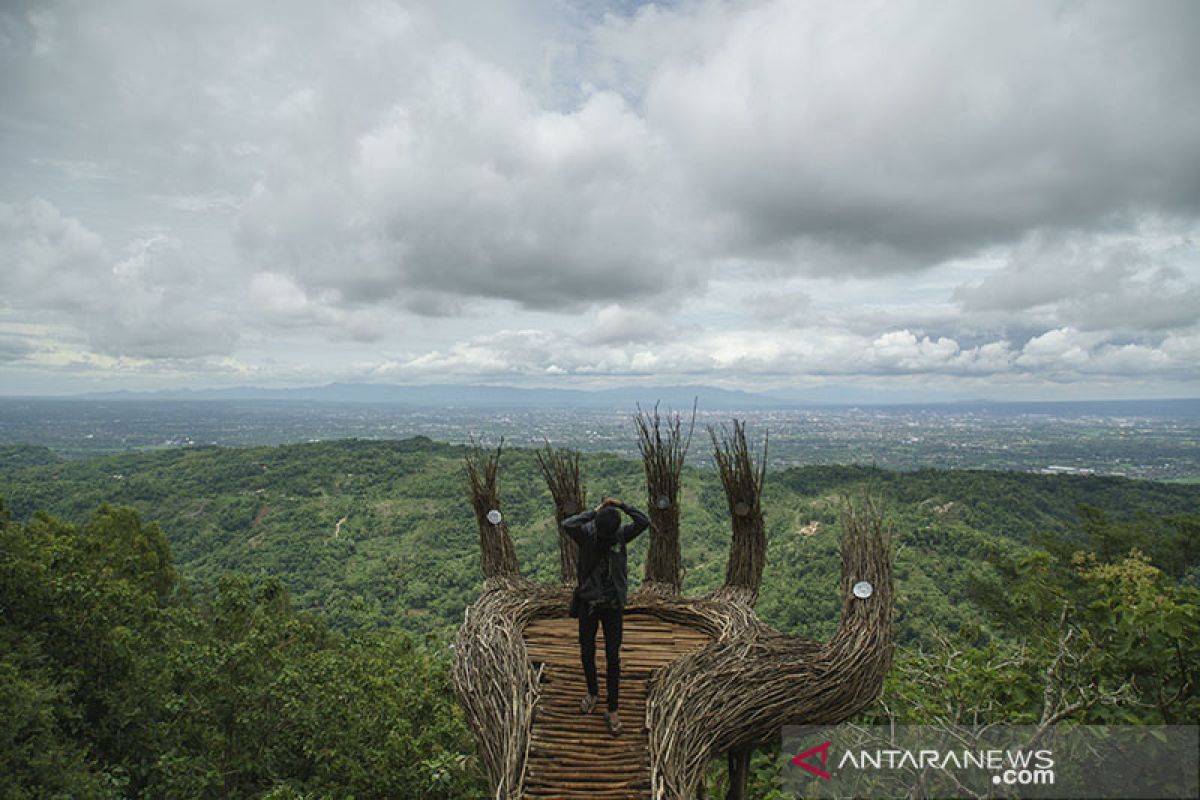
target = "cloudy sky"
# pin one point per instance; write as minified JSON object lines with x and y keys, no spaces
{"x":920,"y":199}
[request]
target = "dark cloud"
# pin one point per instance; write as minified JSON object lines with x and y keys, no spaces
{"x":489,"y":197}
{"x":909,"y":135}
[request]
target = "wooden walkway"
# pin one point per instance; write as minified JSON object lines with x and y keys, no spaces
{"x":572,"y":754}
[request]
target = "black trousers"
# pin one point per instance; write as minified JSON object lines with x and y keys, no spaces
{"x":612,"y":619}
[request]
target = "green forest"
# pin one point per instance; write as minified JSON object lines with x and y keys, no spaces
{"x":275,"y":622}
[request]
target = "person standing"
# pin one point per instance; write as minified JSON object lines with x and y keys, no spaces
{"x":602,"y":593}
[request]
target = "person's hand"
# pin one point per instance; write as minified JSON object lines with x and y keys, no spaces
{"x":608,"y":501}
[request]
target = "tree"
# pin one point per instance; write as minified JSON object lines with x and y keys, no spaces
{"x":115,"y":683}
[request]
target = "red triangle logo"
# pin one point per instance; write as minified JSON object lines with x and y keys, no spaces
{"x":823,"y":749}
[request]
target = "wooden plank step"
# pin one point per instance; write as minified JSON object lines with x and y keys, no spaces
{"x":572,"y":754}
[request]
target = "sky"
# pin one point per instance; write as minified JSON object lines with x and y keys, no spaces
{"x":925,"y":200}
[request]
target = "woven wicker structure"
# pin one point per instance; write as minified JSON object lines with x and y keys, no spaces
{"x":728,"y":696}
{"x":561,"y":470}
{"x":662,"y":457}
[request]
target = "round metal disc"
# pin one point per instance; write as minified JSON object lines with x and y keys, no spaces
{"x":494,"y":517}
{"x":863,"y":589}
{"x":663,"y":501}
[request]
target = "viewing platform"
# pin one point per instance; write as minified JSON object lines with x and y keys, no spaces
{"x":572,"y":754}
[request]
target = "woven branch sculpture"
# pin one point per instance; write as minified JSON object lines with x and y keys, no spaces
{"x":663,"y":461}
{"x":729,"y":696}
{"x":561,"y":471}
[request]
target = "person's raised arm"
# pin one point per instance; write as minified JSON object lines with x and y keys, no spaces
{"x":574,"y":526}
{"x":639,"y":524}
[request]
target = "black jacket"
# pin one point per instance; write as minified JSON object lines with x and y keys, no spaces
{"x":610,"y":584}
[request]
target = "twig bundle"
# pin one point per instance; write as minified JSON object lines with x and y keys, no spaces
{"x":560,"y":467}
{"x":743,"y":491}
{"x":662,"y":457}
{"x":498,"y":556}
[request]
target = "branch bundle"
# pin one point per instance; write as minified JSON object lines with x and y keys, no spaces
{"x":498,"y":556}
{"x":743,"y":490}
{"x":560,"y":467}
{"x":663,"y":456}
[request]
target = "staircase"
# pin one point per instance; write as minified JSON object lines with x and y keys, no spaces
{"x":572,"y":754}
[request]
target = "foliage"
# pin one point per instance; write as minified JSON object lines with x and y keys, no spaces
{"x":114,"y":683}
{"x":1095,"y":634}
{"x":133,"y":663}
{"x":380,"y":534}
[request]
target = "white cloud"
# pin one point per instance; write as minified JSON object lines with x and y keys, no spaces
{"x":747,"y":354}
{"x":1060,"y":348}
{"x":764,"y":190}
{"x":279,"y":301}
{"x":150,"y":303}
{"x":615,"y":324}
{"x":1145,"y":281}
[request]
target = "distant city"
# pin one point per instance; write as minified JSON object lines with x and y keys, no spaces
{"x":1141,"y":439}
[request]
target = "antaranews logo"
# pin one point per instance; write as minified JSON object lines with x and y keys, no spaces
{"x":1010,"y":767}
{"x":1070,"y":762}
{"x":800,"y":760}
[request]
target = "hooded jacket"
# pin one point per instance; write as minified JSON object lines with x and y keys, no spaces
{"x":610,"y":584}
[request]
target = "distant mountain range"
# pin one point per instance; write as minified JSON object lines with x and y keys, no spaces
{"x":676,"y":398}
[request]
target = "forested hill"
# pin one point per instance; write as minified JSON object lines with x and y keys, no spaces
{"x":154,"y":650}
{"x":380,"y":533}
